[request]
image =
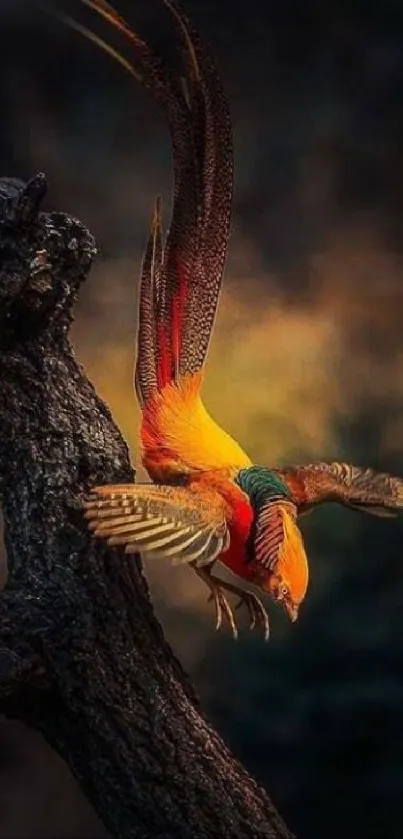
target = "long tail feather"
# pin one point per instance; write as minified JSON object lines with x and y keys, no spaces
{"x":213,"y":129}
{"x":95,"y":39}
{"x":195,"y":247}
{"x":146,"y":372}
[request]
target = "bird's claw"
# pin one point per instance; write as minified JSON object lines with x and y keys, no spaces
{"x":222,"y":606}
{"x":257,"y":612}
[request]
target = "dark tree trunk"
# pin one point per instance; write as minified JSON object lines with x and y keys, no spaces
{"x":82,"y":656}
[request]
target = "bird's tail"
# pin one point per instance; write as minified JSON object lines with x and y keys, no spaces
{"x":181,"y":274}
{"x":181,"y":277}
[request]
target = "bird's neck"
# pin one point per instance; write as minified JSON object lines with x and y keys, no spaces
{"x":261,"y":485}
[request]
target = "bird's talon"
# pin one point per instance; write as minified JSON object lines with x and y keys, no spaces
{"x":256,"y":610}
{"x":230,"y":617}
{"x":226,"y":608}
{"x":222,"y":605}
{"x":218,"y":611}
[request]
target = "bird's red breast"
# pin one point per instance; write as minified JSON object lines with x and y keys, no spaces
{"x":239,"y":525}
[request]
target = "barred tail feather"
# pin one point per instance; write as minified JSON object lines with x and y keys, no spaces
{"x":181,"y":278}
{"x":212,"y":129}
{"x":146,"y":373}
{"x":195,"y":248}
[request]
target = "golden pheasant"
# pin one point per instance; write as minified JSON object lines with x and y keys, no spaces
{"x":208,"y":502}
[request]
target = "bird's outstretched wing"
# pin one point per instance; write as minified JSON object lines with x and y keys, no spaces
{"x":160,"y":521}
{"x":362,"y":489}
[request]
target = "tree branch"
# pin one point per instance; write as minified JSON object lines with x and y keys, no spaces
{"x":81,"y":650}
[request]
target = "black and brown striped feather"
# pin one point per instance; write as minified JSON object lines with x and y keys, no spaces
{"x":200,"y":126}
{"x":360,"y":488}
{"x":145,"y":377}
{"x":268,"y":533}
{"x":212,"y":129}
{"x":160,"y":521}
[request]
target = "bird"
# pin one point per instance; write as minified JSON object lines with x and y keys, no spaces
{"x":207,"y":502}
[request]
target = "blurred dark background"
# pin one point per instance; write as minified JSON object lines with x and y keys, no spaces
{"x":307,"y":362}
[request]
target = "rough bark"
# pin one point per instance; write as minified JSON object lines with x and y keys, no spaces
{"x":82,"y":656}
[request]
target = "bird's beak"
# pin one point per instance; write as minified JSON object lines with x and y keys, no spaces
{"x":292,"y":610}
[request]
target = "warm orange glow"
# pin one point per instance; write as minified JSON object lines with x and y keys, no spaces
{"x":177,"y":432}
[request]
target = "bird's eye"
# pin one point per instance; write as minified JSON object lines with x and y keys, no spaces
{"x":283,"y":590}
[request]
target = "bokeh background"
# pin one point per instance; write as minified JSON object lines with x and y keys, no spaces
{"x":306,"y":363}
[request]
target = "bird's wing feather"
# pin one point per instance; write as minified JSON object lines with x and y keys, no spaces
{"x":269,"y":532}
{"x":361,"y":488}
{"x":160,"y":521}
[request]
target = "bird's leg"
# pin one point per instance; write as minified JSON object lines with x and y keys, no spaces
{"x":257,"y":612}
{"x":220,"y":601}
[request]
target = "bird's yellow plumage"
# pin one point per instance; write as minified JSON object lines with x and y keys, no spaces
{"x":179,"y":435}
